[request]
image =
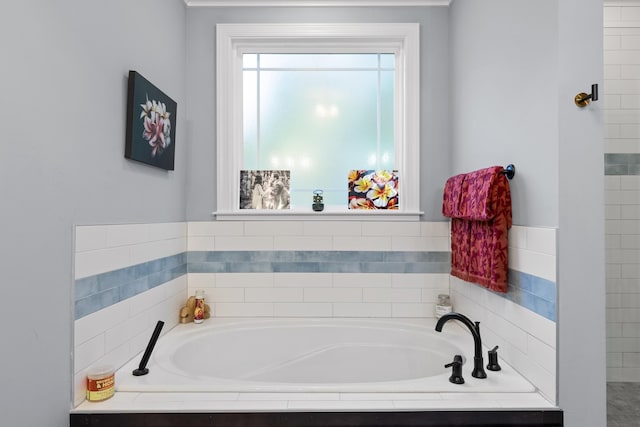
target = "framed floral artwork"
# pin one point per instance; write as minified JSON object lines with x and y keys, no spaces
{"x":151,"y":124}
{"x":373,"y":189}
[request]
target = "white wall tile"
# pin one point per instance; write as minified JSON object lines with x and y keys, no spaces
{"x":303,"y":309}
{"x":357,"y":243}
{"x":87,"y":353}
{"x":96,"y":323}
{"x":128,"y":234}
{"x":345,"y":309}
{"x":90,"y":238}
{"x":518,"y":237}
{"x":406,"y":309}
{"x":244,"y":243}
{"x":273,"y":228}
{"x":302,"y":280}
{"x":90,"y":263}
{"x":408,"y":295}
{"x":435,"y":229}
{"x":332,"y":228}
{"x":273,"y":295}
{"x":254,"y":309}
{"x":391,"y":229}
{"x":429,"y":281}
{"x":404,"y":243}
{"x":247,"y":280}
{"x":332,"y":294}
{"x":361,"y":280}
{"x":201,"y":280}
{"x":201,"y":243}
{"x":215,"y":228}
{"x":303,"y":243}
{"x":542,"y":240}
{"x":215,"y":295}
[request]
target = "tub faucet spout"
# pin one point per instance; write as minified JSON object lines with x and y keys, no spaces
{"x":478,"y":368}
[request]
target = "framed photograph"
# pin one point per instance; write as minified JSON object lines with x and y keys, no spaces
{"x":265,"y":189}
{"x":151,"y":124}
{"x":373,"y":189}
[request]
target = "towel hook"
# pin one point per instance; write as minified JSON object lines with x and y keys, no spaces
{"x":582,"y":99}
{"x":509,"y":171}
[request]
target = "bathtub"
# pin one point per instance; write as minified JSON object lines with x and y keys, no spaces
{"x":313,"y":355}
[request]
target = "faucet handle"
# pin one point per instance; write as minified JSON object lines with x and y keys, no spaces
{"x":493,"y":360}
{"x":456,"y":370}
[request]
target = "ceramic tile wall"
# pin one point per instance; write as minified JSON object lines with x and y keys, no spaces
{"x":298,"y":268}
{"x":622,"y":191}
{"x":115,"y":317}
{"x":526,"y":336}
{"x":319,"y":269}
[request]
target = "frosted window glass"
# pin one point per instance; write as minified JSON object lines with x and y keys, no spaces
{"x":320,"y":124}
{"x":250,"y":119}
{"x":315,"y":61}
{"x":249,"y":60}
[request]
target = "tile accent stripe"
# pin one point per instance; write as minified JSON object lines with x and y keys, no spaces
{"x":96,"y":292}
{"x":317,"y":262}
{"x":532,"y":292}
{"x":622,"y":164}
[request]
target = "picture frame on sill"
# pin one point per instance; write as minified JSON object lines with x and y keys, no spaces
{"x":265,"y":189}
{"x":151,"y":124}
{"x":373,"y":189}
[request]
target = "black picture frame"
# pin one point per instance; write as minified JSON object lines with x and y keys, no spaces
{"x":151,"y":124}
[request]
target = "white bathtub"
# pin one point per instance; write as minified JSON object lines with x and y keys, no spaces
{"x":313,"y":355}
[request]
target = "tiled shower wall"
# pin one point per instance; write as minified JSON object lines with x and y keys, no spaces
{"x":622,"y":190}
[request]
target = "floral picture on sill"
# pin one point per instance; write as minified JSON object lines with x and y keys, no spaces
{"x":371,"y":189}
{"x":151,"y":119}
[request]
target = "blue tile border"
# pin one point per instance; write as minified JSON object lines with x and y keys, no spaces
{"x":317,"y":262}
{"x":532,"y":292}
{"x":94,"y":293}
{"x":621,"y":164}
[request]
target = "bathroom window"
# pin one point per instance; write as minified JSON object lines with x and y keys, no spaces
{"x":318,"y":100}
{"x":318,"y":116}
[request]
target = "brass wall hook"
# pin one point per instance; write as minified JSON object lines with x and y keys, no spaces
{"x":583,"y":99}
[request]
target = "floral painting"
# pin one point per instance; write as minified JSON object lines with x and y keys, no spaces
{"x":151,"y":119}
{"x":371,"y":189}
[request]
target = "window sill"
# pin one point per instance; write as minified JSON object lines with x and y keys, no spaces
{"x":329,"y":214}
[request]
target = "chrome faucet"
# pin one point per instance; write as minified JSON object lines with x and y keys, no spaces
{"x":478,"y":369}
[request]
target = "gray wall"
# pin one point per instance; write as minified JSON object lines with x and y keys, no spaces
{"x":516,"y":66}
{"x":62,"y":114}
{"x":503,"y":97}
{"x":201,"y":23}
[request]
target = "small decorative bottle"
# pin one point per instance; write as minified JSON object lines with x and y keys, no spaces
{"x":198,"y":311}
{"x":443,"y":306}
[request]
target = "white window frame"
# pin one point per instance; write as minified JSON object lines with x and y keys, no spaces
{"x":233,"y":40}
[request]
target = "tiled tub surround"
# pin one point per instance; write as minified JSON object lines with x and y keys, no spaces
{"x":293,"y":272}
{"x":622,"y":190}
{"x":521,"y":322}
{"x":125,"y":281}
{"x":312,"y":269}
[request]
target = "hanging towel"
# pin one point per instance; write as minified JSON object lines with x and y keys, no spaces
{"x":479,"y":205}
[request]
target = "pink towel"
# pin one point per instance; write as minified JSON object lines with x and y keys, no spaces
{"x":479,"y":204}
